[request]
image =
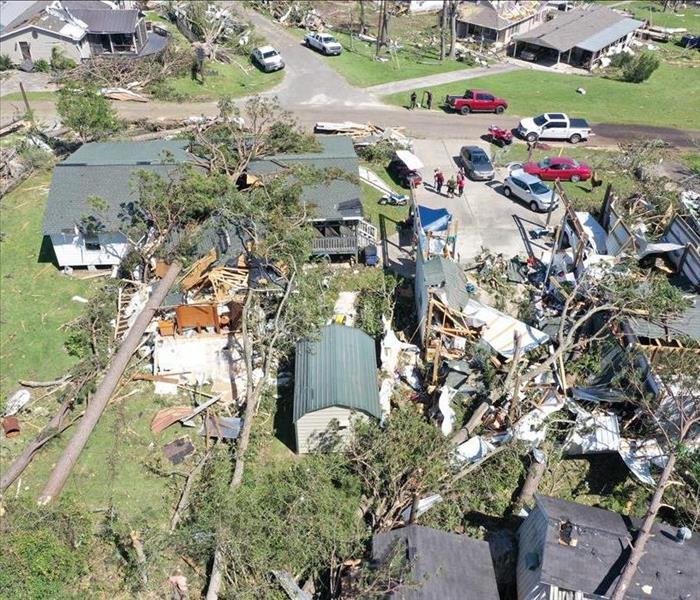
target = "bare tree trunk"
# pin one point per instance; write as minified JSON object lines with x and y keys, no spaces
{"x":645,"y":532}
{"x":531,"y":483}
{"x":99,"y":401}
{"x":453,"y":28}
{"x":443,"y":32}
{"x":253,"y":394}
{"x":380,"y":27}
{"x":363,"y":21}
{"x":55,"y":426}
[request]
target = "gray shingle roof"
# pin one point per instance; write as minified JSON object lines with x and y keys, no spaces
{"x":444,"y":566}
{"x":335,"y":199}
{"x":439,"y":272}
{"x":593,"y":566}
{"x":104,"y":170}
{"x":578,"y":26}
{"x":337,"y":369}
{"x":108,"y":21}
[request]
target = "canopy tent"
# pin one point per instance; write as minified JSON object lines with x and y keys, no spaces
{"x":409,"y":159}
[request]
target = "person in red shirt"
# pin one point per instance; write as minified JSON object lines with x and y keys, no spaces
{"x":461,"y":181}
{"x":440,"y":181}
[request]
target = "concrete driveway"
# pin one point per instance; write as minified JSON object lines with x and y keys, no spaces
{"x":484,"y":216}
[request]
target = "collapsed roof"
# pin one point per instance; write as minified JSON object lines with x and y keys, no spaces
{"x":594,"y":563}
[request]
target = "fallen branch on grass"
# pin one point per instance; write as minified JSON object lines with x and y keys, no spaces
{"x":185,"y":496}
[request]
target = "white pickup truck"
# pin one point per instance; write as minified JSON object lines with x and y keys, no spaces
{"x":554,"y":126}
{"x":323,"y":43}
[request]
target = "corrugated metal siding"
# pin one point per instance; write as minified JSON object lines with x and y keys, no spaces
{"x":337,"y":369}
{"x":531,"y":539}
{"x":311,"y":427}
{"x":679,"y":232}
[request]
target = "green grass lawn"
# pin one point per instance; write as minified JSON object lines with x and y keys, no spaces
{"x":17,"y":96}
{"x":225,"y":80}
{"x":687,"y":17}
{"x":35,"y":298}
{"x":581,"y":194}
{"x":667,"y":99}
{"x":357,"y":64}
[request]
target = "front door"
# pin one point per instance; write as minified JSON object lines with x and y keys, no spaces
{"x":24,"y":49}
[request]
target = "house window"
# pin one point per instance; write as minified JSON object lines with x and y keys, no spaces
{"x":92,"y":242}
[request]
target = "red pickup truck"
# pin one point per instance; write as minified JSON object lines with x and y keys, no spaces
{"x":476,"y":101}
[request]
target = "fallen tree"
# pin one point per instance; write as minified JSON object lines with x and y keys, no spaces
{"x":99,"y":401}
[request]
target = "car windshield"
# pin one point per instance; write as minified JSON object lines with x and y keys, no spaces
{"x":328,"y":39}
{"x":270,"y":53}
{"x":574,"y":163}
{"x":541,"y":120}
{"x":539,"y":188}
{"x":480,"y":159}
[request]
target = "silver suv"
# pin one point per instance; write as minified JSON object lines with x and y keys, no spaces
{"x":530,"y":190}
{"x":268,"y":59}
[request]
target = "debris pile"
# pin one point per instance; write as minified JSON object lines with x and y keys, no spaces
{"x":367,"y":134}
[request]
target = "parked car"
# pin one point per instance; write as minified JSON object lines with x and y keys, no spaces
{"x":405,"y":168}
{"x":476,"y":163}
{"x":324,"y":43}
{"x":476,"y":101}
{"x":555,"y":126}
{"x":559,"y":167}
{"x":530,"y":55}
{"x":690,"y":41}
{"x":268,"y":59}
{"x":531,"y":190}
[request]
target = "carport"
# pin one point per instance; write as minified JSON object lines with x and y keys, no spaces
{"x":580,"y":37}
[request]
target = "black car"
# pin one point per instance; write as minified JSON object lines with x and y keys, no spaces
{"x":690,"y":41}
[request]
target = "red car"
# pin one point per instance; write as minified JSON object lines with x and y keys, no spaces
{"x":559,"y":167}
{"x":476,"y":101}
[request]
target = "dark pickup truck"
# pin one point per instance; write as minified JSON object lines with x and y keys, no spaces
{"x":476,"y":101}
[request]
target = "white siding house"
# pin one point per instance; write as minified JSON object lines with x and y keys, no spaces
{"x":92,"y":194}
{"x":335,"y":383}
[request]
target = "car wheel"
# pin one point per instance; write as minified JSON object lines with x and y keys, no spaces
{"x":499,"y":110}
{"x":575,"y":139}
{"x":307,"y":43}
{"x":534,"y":207}
{"x":575,"y":178}
{"x":506,"y":192}
{"x":531,"y":137}
{"x":464,"y":110}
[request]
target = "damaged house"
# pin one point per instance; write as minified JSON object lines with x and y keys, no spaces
{"x":497,"y":21}
{"x":80,"y":29}
{"x":91,"y":194}
{"x":580,"y":37}
{"x":338,"y":217}
{"x":440,"y":565}
{"x":569,"y":551}
{"x":335,"y":381}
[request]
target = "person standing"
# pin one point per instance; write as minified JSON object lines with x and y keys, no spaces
{"x":429,"y":100}
{"x":461,"y":181}
{"x":414,"y":97}
{"x":451,"y":185}
{"x":440,"y":180}
{"x":435,"y":177}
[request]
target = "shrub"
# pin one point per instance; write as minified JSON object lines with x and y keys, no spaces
{"x":380,"y":153}
{"x":59,"y":61}
{"x":5,"y":62}
{"x":162,"y":90}
{"x":42,"y":65}
{"x":640,"y":68}
{"x":618,"y":61}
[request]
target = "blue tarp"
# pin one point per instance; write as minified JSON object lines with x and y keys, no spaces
{"x":434,"y":219}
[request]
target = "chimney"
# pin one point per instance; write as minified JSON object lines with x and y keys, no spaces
{"x":683,"y":534}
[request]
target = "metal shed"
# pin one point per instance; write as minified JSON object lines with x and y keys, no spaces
{"x":335,"y":379}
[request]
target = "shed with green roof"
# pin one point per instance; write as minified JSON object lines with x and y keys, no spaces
{"x":335,"y":379}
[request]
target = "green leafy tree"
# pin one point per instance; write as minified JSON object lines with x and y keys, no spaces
{"x":88,"y":113}
{"x":640,"y":67}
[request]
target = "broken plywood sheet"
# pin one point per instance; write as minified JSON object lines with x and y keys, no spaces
{"x":498,"y":329}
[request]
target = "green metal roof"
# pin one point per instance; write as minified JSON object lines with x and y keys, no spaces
{"x":336,"y":199}
{"x":439,"y":272}
{"x":105,"y":170}
{"x":337,"y":369}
